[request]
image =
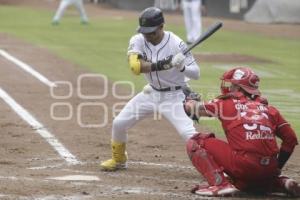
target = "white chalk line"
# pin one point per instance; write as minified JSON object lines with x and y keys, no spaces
{"x":106,"y":190}
{"x":162,"y":165}
{"x":39,"y":128}
{"x":27,"y":68}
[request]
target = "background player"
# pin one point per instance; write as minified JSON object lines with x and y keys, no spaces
{"x":251,"y":157}
{"x":63,"y":6}
{"x":158,"y":55}
{"x":192,"y":13}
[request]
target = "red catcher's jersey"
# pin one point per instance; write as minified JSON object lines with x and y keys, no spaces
{"x":250,"y":126}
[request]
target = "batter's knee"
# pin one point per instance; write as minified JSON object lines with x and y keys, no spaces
{"x":119,"y":125}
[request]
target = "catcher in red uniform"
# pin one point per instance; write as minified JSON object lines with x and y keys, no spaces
{"x":251,"y":158}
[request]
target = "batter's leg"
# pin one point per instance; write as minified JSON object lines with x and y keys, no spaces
{"x":135,"y":110}
{"x":174,"y":112}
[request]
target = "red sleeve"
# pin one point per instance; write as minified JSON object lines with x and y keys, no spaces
{"x":284,"y":132}
{"x":212,"y":107}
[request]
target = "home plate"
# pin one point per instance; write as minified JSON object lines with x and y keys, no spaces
{"x":76,"y":178}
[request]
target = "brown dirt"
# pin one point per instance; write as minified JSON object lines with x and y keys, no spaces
{"x":158,"y":168}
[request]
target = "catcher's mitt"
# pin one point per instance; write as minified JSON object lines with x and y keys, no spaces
{"x":190,"y":103}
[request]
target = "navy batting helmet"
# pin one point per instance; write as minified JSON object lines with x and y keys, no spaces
{"x":150,"y":19}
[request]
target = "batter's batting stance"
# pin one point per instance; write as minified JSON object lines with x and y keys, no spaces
{"x":251,"y":158}
{"x":157,"y":54}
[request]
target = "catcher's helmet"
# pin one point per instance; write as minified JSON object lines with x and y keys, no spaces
{"x":243,"y":77}
{"x":150,"y":19}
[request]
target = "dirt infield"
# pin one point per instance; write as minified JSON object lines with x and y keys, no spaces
{"x":31,"y":165}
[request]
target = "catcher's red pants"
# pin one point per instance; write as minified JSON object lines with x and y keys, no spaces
{"x":248,"y":171}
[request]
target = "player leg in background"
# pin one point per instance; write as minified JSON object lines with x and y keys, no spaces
{"x":187,"y":14}
{"x":196,"y":20}
{"x":60,"y":11}
{"x":208,"y":164}
{"x":135,"y":110}
{"x":172,"y":109}
{"x":80,"y":8}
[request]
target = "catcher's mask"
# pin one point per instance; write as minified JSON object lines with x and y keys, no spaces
{"x":150,"y":19}
{"x":243,"y":77}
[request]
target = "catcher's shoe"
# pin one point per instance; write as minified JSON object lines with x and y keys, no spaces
{"x":198,"y":187}
{"x":292,"y":187}
{"x":217,"y":190}
{"x":118,"y":160}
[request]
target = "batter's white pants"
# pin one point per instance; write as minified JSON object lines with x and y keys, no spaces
{"x":192,"y":18}
{"x":64,"y":4}
{"x":168,"y":104}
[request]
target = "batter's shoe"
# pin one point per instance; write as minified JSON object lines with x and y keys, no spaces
{"x":118,"y":160}
{"x":217,"y":190}
{"x":292,"y":187}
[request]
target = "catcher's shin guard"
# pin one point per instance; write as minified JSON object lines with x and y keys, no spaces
{"x":119,"y":158}
{"x":204,"y":162}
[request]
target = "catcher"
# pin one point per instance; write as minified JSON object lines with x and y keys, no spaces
{"x":251,"y":158}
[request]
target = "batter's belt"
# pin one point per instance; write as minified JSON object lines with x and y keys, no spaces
{"x":167,"y":89}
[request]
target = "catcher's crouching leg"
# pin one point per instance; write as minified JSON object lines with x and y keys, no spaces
{"x":205,"y":164}
{"x":286,"y":185}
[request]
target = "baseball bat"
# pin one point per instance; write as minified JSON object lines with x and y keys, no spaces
{"x":210,"y":30}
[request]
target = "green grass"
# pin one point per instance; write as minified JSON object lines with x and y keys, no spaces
{"x":101,"y":47}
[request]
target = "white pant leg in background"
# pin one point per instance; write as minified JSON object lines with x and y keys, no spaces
{"x":66,"y":3}
{"x":138,"y":108}
{"x":172,"y":109}
{"x":61,"y":9}
{"x":192,"y":18}
{"x":196,"y":19}
{"x":81,"y":10}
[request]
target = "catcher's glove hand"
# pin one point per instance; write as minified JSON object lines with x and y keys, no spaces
{"x":190,"y":108}
{"x":190,"y":95}
{"x":190,"y":103}
{"x":193,"y":96}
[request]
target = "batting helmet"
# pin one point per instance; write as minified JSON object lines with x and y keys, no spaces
{"x":150,"y":19}
{"x":243,"y":77}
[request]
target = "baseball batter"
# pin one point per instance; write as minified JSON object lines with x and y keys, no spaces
{"x":192,"y":19}
{"x":158,"y":55}
{"x":251,"y":157}
{"x":63,"y":6}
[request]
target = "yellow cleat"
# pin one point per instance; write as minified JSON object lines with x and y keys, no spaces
{"x":118,"y":160}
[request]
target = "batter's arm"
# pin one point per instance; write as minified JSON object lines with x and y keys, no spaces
{"x":192,"y":71}
{"x":138,"y":65}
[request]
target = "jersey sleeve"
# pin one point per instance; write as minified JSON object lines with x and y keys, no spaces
{"x":284,"y":131}
{"x":136,"y":44}
{"x":192,"y":70}
{"x":212,"y":107}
